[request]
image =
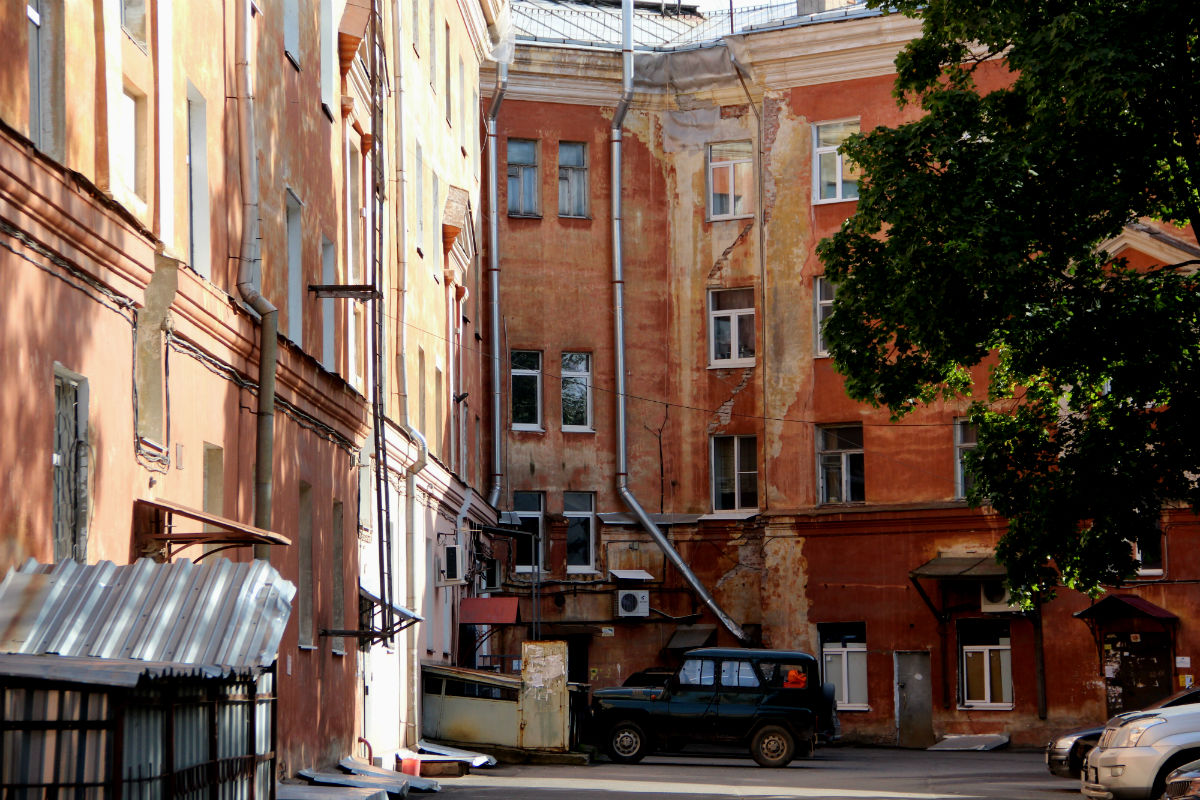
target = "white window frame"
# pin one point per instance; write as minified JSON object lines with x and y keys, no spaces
{"x":734,"y":315}
{"x":330,"y":67}
{"x":1152,"y":572}
{"x":844,"y":651}
{"x":844,"y":457}
{"x":538,"y":545}
{"x":820,"y":150}
{"x":291,"y":31}
{"x":590,"y":518}
{"x":961,"y":446}
{"x":572,"y":177}
{"x":985,"y":650}
{"x":518,"y":170}
{"x":731,"y":165}
{"x":586,"y":377}
{"x":738,"y":472}
{"x":536,"y":374}
{"x":294,"y":224}
{"x":199,"y":211}
{"x":822,"y":310}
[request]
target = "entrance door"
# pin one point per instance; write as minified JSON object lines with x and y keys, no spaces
{"x":1137,"y":669}
{"x":914,"y":700}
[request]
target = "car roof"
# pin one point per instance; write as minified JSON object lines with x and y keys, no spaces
{"x":749,"y":652}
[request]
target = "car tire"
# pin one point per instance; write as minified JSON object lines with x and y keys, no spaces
{"x":627,"y":742}
{"x":773,"y":746}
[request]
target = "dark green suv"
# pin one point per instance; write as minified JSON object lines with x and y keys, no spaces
{"x":769,"y":700}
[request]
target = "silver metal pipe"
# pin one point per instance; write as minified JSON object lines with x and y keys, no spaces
{"x":494,"y":283}
{"x":622,"y":477}
{"x":268,"y":349}
{"x":412,"y":731}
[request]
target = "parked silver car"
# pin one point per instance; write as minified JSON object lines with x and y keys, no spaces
{"x":1066,"y":753}
{"x":1138,"y":751}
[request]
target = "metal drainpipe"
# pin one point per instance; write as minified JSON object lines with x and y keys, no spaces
{"x":412,"y":666}
{"x":494,"y":282}
{"x":622,"y":477}
{"x":264,"y":445}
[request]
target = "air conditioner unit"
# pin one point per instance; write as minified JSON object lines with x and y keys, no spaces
{"x":450,"y":568}
{"x":633,"y":602}
{"x":994,"y":597}
{"x":493,"y":575}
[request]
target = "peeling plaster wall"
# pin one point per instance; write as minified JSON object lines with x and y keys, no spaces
{"x":797,"y":563}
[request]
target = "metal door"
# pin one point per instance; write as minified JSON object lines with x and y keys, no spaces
{"x":914,"y":700}
{"x":1137,"y":669}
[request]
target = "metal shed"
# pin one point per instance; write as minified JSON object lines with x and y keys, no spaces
{"x":146,"y":680}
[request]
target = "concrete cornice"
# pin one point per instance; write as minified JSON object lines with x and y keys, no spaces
{"x":475,"y":20}
{"x":776,"y":59}
{"x":864,"y":47}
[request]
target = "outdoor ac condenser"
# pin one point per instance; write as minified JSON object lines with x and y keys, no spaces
{"x":633,"y":602}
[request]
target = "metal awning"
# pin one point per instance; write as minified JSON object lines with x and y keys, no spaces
{"x":399,"y":611}
{"x":492,"y":530}
{"x":224,"y":533}
{"x":1116,"y":606}
{"x":686,"y":637}
{"x":488,"y":611}
{"x":631,"y":574}
{"x":625,"y":518}
{"x":947,"y":568}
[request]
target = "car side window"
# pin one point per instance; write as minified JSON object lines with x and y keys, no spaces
{"x":738,"y":673}
{"x":785,"y":675}
{"x":697,"y":672}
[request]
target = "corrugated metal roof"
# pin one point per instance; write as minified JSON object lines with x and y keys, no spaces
{"x":660,"y":26}
{"x":178,"y":617}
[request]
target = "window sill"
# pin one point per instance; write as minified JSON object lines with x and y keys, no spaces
{"x":293,"y":59}
{"x":986,"y":707}
{"x":841,"y":503}
{"x":577,"y":429}
{"x":582,"y":571}
{"x":337,"y":652}
{"x":1148,"y":574}
{"x":732,"y":364}
{"x":731,"y":218}
{"x":853,"y":707}
{"x":529,"y":428}
{"x":587,"y":217}
{"x":518,"y":215}
{"x":734,"y":514}
{"x":308,"y":647}
{"x":828,"y":201}
{"x":328,"y":111}
{"x":822,"y":354}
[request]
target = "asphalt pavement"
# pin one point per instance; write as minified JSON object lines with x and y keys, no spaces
{"x":839,"y":773}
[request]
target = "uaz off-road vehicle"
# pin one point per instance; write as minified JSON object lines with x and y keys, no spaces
{"x":768,"y":700}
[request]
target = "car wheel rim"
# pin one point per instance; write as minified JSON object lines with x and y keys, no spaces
{"x":626,"y":741}
{"x":773,"y":746}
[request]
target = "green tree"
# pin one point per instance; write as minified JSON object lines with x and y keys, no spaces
{"x":1047,"y":128}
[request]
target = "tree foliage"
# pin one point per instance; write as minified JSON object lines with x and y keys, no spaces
{"x":977,"y":240}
